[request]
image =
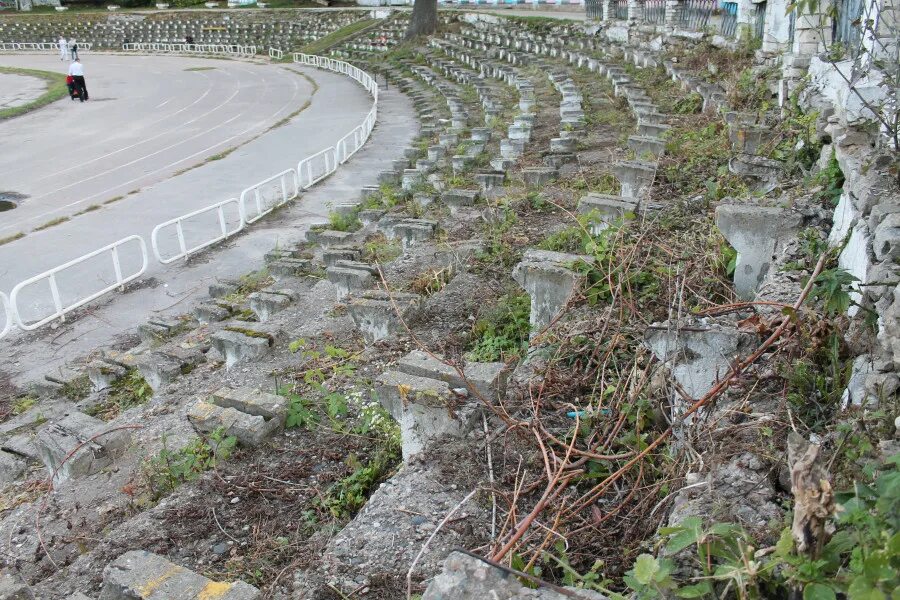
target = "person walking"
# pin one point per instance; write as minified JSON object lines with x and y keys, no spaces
{"x":63,"y":48}
{"x":73,"y":45}
{"x":76,"y":70}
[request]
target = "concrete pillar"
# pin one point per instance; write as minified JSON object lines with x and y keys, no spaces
{"x":608,"y":9}
{"x":812,"y":31}
{"x":745,"y":13}
{"x":673,"y":14}
{"x":635,"y":11}
{"x":777,"y":28}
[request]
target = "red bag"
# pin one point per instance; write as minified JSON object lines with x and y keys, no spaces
{"x":69,"y":79}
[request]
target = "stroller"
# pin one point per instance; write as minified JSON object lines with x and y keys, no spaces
{"x":70,"y":83}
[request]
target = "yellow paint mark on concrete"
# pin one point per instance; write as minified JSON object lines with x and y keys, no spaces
{"x":152,"y":585}
{"x":214,"y":590}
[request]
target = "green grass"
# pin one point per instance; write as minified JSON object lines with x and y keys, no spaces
{"x":56,"y":89}
{"x":11,"y":238}
{"x":324,"y":43}
{"x":51,"y":223}
{"x":200,"y":69}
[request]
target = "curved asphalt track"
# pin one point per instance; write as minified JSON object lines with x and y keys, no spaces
{"x":338,"y":105}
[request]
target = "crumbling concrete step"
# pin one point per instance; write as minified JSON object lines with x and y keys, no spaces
{"x":11,"y":467}
{"x":162,"y":367}
{"x":223,"y":288}
{"x":266,"y":303}
{"x":605,"y":209}
{"x":456,"y":199}
{"x":377,"y":317}
{"x":290,"y":267}
{"x":331,"y":256}
{"x":250,"y":401}
{"x":140,"y":575}
{"x":350,"y":276}
{"x":465,"y":577}
{"x":157,"y":330}
{"x":550,"y":281}
{"x":250,"y":430}
{"x":424,"y":408}
{"x":212,"y":312}
{"x":538,"y":176}
{"x":412,"y":231}
{"x":242,"y":341}
{"x":487,"y":379}
{"x":60,"y":437}
{"x":103,"y":373}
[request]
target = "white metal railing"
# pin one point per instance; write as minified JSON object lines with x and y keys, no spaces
{"x":227,"y":49}
{"x":253,"y":204}
{"x":276,"y":54}
{"x":7,"y":315}
{"x":286,"y":189}
{"x":60,"y":311}
{"x":39,"y":47}
{"x":178,"y":223}
{"x":313,"y":169}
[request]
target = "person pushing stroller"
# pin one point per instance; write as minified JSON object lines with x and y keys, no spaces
{"x":76,"y":75}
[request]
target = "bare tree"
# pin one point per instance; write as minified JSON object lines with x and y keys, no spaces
{"x":424,"y":18}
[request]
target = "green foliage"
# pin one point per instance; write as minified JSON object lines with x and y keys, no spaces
{"x":496,"y":248}
{"x":335,"y":37}
{"x":503,"y":333}
{"x":344,"y":221}
{"x":77,"y":389}
{"x":831,"y":178}
{"x":816,"y":383}
{"x":170,"y":468}
{"x":751,"y":92}
{"x":56,"y":89}
{"x":23,"y":404}
{"x":126,"y":392}
{"x":832,"y":287}
{"x":379,"y":249}
{"x":689,"y":105}
{"x":861,"y":561}
{"x":697,"y":162}
{"x":349,"y":494}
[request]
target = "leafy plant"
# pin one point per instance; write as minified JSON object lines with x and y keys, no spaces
{"x":832,"y":288}
{"x":503,"y":333}
{"x":170,"y":468}
{"x":344,"y":221}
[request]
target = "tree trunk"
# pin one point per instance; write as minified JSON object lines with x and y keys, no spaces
{"x":423,"y":20}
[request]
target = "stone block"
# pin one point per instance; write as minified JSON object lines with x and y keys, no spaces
{"x":886,"y":240}
{"x":241,"y":342}
{"x":377,"y":317}
{"x":538,"y":177}
{"x":347,"y":279}
{"x":369,"y":216}
{"x":333,"y":255}
{"x":412,"y":231}
{"x":250,"y":430}
{"x":103,"y":373}
{"x":456,"y":198}
{"x":250,"y":401}
{"x":755,"y":232}
{"x":562,"y":145}
{"x":13,"y":588}
{"x":605,"y":209}
{"x":388,"y":178}
{"x":266,"y":303}
{"x":161,"y":368}
{"x":290,"y":267}
{"x":467,"y":578}
{"x":644,"y":146}
{"x":329,"y":238}
{"x":486,"y":379}
{"x":657,"y":130}
{"x":549,"y":281}
{"x":61,"y":436}
{"x":411,"y":179}
{"x":212,"y":312}
{"x":140,"y":575}
{"x":424,"y":408}
{"x":635,"y":177}
{"x":697,"y":355}
{"x":221,"y":289}
{"x":11,"y":467}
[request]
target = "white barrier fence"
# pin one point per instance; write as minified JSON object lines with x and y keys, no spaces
{"x":39,"y":47}
{"x":50,"y":277}
{"x":7,"y":315}
{"x":254,"y":203}
{"x":178,"y":223}
{"x":267,"y":197}
{"x":276,"y":54}
{"x":227,"y":49}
